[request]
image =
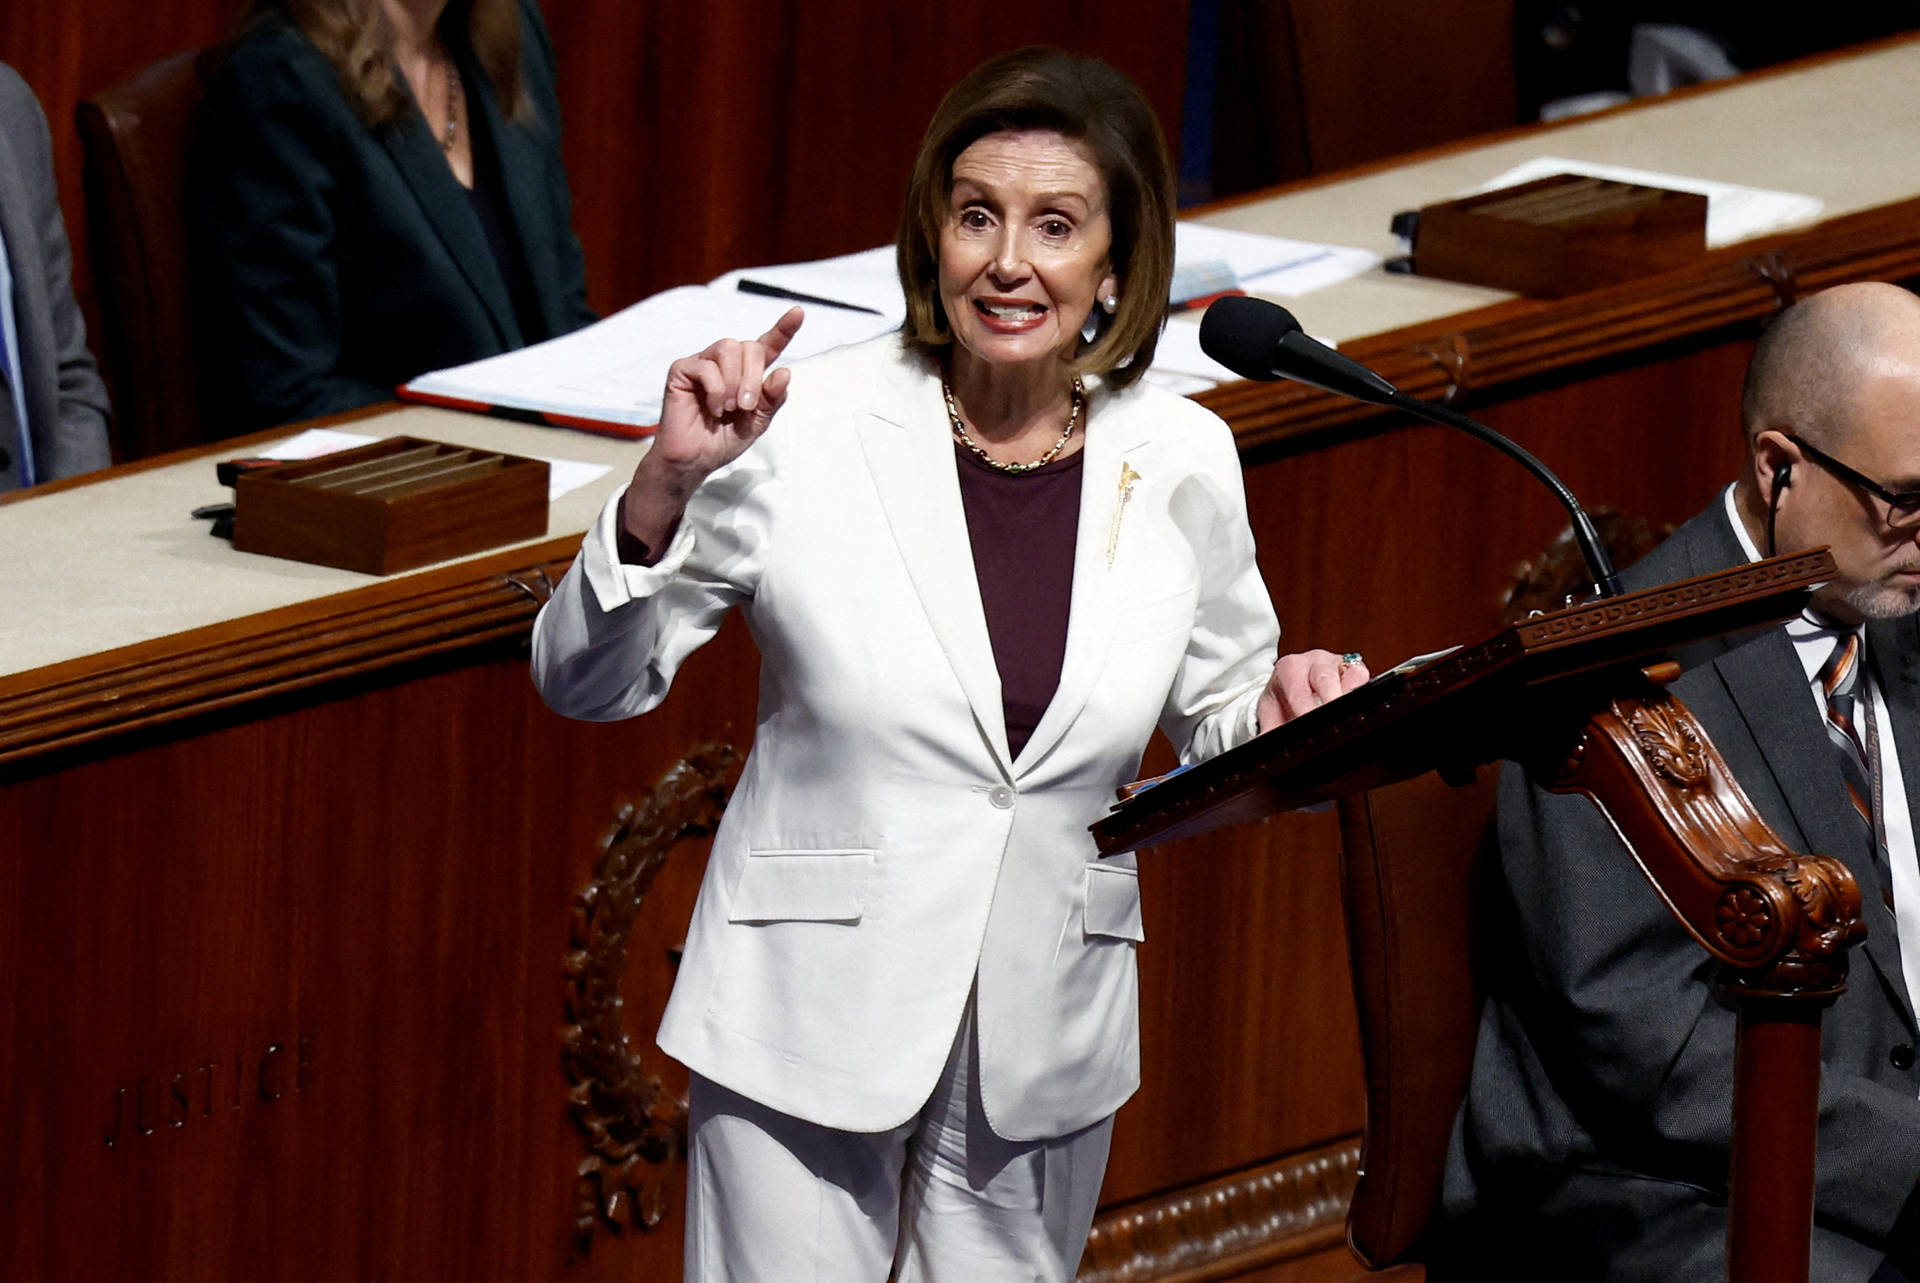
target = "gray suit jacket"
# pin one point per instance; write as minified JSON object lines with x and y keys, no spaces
{"x":1593,"y":1142}
{"x":66,"y":402}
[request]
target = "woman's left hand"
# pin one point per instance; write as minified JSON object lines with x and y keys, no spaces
{"x":1307,"y":680}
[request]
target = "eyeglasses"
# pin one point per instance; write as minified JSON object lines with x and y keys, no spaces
{"x":1903,"y":510}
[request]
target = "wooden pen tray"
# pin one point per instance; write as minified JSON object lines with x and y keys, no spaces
{"x":390,"y":506}
{"x":1560,"y":235}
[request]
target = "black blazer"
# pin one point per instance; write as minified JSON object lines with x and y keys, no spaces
{"x":1593,"y":1142}
{"x":334,"y":261}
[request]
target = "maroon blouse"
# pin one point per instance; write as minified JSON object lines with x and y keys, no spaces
{"x":1023,"y":527}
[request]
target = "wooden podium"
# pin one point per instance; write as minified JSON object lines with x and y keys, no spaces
{"x":1577,"y":697}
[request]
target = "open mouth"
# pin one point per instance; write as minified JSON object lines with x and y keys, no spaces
{"x":1010,"y":312}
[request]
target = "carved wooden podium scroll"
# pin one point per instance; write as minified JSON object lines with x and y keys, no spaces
{"x":633,"y":1128}
{"x":1778,"y":922}
{"x":1578,"y":696}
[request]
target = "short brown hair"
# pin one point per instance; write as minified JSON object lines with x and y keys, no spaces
{"x":1079,"y":98}
{"x":357,"y":39}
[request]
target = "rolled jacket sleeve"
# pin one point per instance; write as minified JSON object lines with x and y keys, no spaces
{"x":609,"y":642}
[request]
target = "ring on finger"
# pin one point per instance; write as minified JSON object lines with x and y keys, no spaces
{"x":1352,"y":659}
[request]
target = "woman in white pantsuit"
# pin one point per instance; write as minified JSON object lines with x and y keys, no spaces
{"x":982,"y":561}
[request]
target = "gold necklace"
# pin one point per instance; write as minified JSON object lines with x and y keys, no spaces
{"x":456,"y":95}
{"x":960,"y":431}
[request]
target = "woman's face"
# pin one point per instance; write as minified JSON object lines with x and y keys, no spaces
{"x":1024,"y":246}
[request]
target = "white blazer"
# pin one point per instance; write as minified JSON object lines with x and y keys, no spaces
{"x":884,"y":853}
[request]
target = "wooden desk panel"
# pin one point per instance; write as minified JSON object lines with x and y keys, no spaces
{"x":284,"y":984}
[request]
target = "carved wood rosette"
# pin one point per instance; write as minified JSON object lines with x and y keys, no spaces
{"x":1779,"y":920}
{"x":633,"y":1127}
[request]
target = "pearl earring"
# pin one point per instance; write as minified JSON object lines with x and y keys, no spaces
{"x":1110,"y":302}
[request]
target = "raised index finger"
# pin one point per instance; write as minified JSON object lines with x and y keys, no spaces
{"x":776,"y":339}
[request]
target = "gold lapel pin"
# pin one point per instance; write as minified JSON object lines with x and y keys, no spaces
{"x":1127,"y":477}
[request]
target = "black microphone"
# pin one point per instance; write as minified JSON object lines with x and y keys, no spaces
{"x":1261,"y":340}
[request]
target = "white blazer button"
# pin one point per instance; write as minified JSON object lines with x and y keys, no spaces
{"x":1001,"y":796}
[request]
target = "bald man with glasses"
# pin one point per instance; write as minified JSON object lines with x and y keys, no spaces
{"x":1593,"y":1143}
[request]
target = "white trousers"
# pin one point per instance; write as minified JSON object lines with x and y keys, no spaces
{"x":941,"y":1199}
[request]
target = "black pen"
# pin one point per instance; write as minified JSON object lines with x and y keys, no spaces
{"x":779,"y":291}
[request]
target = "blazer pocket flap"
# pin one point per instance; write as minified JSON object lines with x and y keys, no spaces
{"x":1147,"y":620}
{"x":802,"y":886}
{"x":1113,"y":903}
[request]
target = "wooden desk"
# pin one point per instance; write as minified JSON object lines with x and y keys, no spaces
{"x":287,"y":855}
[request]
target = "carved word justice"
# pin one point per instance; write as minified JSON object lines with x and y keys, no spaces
{"x":211,"y":1089}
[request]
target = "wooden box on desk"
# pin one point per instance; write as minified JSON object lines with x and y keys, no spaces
{"x":1560,"y":235}
{"x":393,"y":505}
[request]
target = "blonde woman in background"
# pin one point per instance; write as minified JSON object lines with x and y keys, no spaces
{"x":377,"y":191}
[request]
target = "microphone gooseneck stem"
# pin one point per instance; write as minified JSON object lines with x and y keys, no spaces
{"x":1599,"y":565}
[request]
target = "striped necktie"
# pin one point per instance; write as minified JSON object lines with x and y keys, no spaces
{"x":1850,"y":728}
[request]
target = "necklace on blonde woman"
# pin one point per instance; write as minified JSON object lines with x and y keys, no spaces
{"x":960,"y":431}
{"x":456,"y":98}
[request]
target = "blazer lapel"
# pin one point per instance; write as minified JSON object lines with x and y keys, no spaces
{"x":912,"y":464}
{"x":1769,"y":688}
{"x":449,"y":210}
{"x":1116,"y":463}
{"x":523,"y":181}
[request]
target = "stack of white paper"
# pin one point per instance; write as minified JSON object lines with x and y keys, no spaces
{"x":615,"y":370}
{"x":1263,"y":264}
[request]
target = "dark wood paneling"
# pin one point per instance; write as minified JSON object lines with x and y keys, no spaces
{"x":1249,"y":1045}
{"x":1312,"y":86}
{"x":377,"y":882}
{"x":69,"y":51}
{"x":713,"y":136}
{"x":699,"y":137}
{"x":1381,"y":79}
